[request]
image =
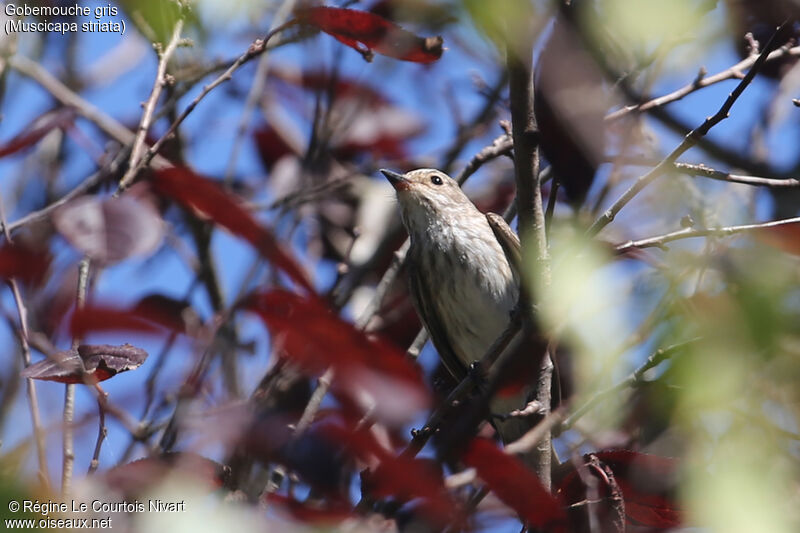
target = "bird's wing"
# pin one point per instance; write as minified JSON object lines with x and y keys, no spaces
{"x":508,"y":241}
{"x":422,"y":296}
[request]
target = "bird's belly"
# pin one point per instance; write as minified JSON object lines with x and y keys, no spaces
{"x":477,"y":315}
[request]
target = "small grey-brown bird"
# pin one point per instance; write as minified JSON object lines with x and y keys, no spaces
{"x":463,"y":268}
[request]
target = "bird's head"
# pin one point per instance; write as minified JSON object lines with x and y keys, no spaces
{"x":426,"y":195}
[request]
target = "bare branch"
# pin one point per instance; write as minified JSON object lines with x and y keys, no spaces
{"x":256,"y":89}
{"x":255,"y":49}
{"x":637,"y":376}
{"x":87,"y":184}
{"x":734,"y":72}
{"x":530,"y":212}
{"x":150,"y":106}
{"x":688,"y":141}
{"x":689,"y":233}
{"x":69,"y":391}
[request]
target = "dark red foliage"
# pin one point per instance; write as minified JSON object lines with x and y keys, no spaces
{"x":516,"y":486}
{"x":271,"y":146}
{"x":137,"y":477}
{"x":761,"y":17}
{"x":173,"y":314}
{"x":396,"y":476}
{"x":785,"y":237}
{"x":23,"y":263}
{"x":208,"y":199}
{"x":571,"y":136}
{"x":327,"y":513}
{"x":386,"y":145}
{"x":316,"y":339}
{"x":96,"y":362}
{"x":97,"y":318}
{"x":647,"y":483}
{"x":35,"y":131}
{"x":367,"y":32}
{"x":339,"y":86}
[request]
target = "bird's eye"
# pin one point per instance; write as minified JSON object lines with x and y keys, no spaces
{"x":436,"y":179}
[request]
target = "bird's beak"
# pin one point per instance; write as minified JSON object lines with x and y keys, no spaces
{"x":398,"y":181}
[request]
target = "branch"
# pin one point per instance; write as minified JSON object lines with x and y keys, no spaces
{"x":688,"y":141}
{"x":703,"y":171}
{"x":255,"y":49}
{"x":256,"y":91}
{"x":636,"y":377}
{"x":531,"y":216}
{"x":33,"y":401}
{"x":87,"y":184}
{"x":689,"y":233}
{"x":69,"y":391}
{"x":495,"y":354}
{"x":734,"y":72}
{"x":101,"y":436}
{"x":757,"y":181}
{"x":149,"y":108}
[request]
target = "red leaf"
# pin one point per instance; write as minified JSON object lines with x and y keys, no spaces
{"x":168,"y":312}
{"x":647,"y":484}
{"x":100,"y":318}
{"x":20,"y":262}
{"x":381,"y":132}
{"x":395,"y":476}
{"x":271,"y":146}
{"x":342,"y":87}
{"x":332,"y":512}
{"x":515,"y":485}
{"x":206,"y":197}
{"x":785,"y":237}
{"x":570,"y":105}
{"x":110,"y":229}
{"x":352,"y":28}
{"x":40,"y":127}
{"x":316,"y":338}
{"x":137,"y":477}
{"x":97,"y":361}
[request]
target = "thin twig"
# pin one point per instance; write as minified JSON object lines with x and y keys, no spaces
{"x":255,"y":49}
{"x":464,"y":387}
{"x":537,"y":433}
{"x":634,"y":378}
{"x":150,"y":106}
{"x":101,"y":436}
{"x":33,"y":400}
{"x":688,"y":141}
{"x":256,"y":90}
{"x":703,"y":171}
{"x":110,"y":126}
{"x":758,"y":181}
{"x":734,"y":72}
{"x":87,"y":184}
{"x":69,"y":390}
{"x":688,"y":233}
{"x":418,"y":344}
{"x":519,"y":447}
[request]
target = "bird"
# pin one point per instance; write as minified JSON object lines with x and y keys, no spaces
{"x":464,"y":276}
